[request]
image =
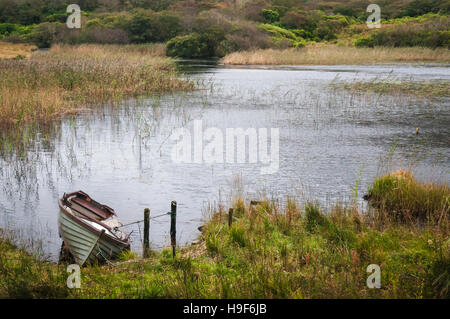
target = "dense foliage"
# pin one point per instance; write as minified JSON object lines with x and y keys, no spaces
{"x":253,"y":24}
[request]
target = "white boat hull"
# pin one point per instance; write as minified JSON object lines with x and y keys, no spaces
{"x":85,"y":243}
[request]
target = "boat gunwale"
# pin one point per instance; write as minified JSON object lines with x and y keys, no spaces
{"x":110,"y":212}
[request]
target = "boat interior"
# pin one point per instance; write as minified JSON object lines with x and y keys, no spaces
{"x":97,"y":215}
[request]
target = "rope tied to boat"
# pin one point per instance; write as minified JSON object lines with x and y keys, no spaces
{"x":140,"y":221}
{"x":103,"y":256}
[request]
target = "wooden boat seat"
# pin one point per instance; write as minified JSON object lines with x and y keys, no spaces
{"x":94,"y":209}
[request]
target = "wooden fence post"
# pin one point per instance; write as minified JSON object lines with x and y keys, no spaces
{"x":173,"y":226}
{"x":146,"y":232}
{"x":230,"y":217}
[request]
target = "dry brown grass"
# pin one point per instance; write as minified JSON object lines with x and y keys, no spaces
{"x":335,"y":55}
{"x":12,"y":50}
{"x":69,"y":79}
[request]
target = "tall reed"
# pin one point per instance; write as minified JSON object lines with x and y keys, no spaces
{"x":70,"y":79}
{"x":333,"y":55}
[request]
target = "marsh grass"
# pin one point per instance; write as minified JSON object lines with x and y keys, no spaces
{"x":71,"y":79}
{"x":425,"y":89}
{"x":336,"y":55}
{"x":399,"y":197}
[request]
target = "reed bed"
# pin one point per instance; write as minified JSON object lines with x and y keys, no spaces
{"x":426,"y":89}
{"x":70,"y":79}
{"x":399,"y":197}
{"x":336,"y":55}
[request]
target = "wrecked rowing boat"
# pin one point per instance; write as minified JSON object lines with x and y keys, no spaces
{"x":90,"y":230}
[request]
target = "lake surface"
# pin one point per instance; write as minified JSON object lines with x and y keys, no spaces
{"x":328,"y":139}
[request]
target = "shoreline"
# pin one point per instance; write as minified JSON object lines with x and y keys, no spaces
{"x":294,"y":251}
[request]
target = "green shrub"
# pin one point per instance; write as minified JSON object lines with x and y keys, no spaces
{"x":94,"y":23}
{"x":364,"y":42}
{"x":301,"y":20}
{"x":7,"y":28}
{"x":278,"y":32}
{"x":188,"y":46}
{"x":325,"y":32}
{"x":45,"y":33}
{"x":328,"y":28}
{"x":299,"y":44}
{"x":419,"y":7}
{"x":270,"y":16}
{"x":169,"y":25}
{"x":280,"y":9}
{"x":196,"y":45}
{"x":303,"y":34}
{"x":147,"y":26}
{"x":410,"y":38}
{"x":244,"y":36}
{"x":282,"y":37}
{"x":431,"y":32}
{"x":56,"y":17}
{"x":419,"y":19}
{"x":15,"y":32}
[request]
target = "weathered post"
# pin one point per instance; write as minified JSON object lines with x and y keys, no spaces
{"x":230,"y":217}
{"x":146,"y":232}
{"x":173,"y":225}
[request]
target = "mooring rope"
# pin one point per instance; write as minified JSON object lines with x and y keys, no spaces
{"x":104,"y":257}
{"x":141,"y":221}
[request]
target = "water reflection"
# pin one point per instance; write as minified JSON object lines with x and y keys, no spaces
{"x":121,"y":155}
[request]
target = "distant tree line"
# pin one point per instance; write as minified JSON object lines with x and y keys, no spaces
{"x":205,"y":28}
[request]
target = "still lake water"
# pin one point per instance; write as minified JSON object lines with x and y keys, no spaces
{"x":121,"y":156}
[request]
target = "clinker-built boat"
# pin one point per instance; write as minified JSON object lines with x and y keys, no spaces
{"x":90,"y":230}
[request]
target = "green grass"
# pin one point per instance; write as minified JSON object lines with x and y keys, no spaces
{"x":402,"y":198}
{"x":25,"y":276}
{"x":292,"y":251}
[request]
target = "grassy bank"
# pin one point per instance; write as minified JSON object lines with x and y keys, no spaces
{"x":288,"y":251}
{"x":335,"y":55}
{"x":70,"y":79}
{"x":23,"y":275}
